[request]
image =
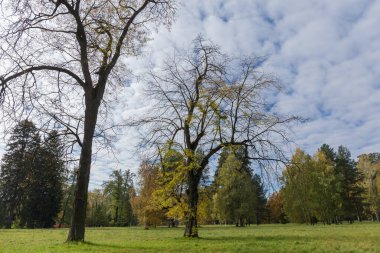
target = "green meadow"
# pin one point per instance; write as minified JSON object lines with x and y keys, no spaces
{"x":363,"y":237}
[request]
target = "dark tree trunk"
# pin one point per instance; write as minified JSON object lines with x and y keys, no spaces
{"x":191,"y":229}
{"x":116,"y":220}
{"x":8,"y":220}
{"x":77,"y":228}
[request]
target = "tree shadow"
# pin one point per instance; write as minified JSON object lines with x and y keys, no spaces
{"x":95,"y":244}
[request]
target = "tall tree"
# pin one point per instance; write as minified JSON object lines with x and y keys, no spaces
{"x":45,"y":184}
{"x":298,"y":185}
{"x":369,"y":165}
{"x":17,"y":163}
{"x":171,"y":184}
{"x":205,"y":101}
{"x":351,"y":190}
{"x":327,"y":188}
{"x":119,"y":190}
{"x":59,"y":59}
{"x":32,"y":177}
{"x":260,"y":209}
{"x":235,"y":199}
{"x":276,"y":208}
{"x":147,"y":210}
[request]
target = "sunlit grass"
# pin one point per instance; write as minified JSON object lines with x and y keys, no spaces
{"x":364,"y":237}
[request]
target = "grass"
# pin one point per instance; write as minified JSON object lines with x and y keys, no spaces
{"x":364,"y":237}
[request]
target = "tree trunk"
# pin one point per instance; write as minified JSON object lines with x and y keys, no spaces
{"x":191,"y":229}
{"x":77,"y":228}
{"x":116,"y":220}
{"x":67,"y":202}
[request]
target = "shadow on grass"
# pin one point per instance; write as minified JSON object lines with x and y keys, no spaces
{"x":261,"y":238}
{"x":94,"y":244}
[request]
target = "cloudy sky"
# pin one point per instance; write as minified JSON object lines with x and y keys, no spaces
{"x":326,"y":54}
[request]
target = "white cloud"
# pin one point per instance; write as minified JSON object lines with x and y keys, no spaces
{"x":326,"y":53}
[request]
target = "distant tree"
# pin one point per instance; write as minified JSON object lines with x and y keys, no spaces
{"x":328,"y":152}
{"x":171,"y":185}
{"x":149,"y":213}
{"x":119,"y":189}
{"x":369,"y":165}
{"x":260,"y":209}
{"x":235,"y":198}
{"x":275,"y":205}
{"x":351,"y":190}
{"x":298,"y":188}
{"x":97,"y":209}
{"x":326,"y":189}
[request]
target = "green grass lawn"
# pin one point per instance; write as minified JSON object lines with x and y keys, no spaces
{"x":363,"y":237}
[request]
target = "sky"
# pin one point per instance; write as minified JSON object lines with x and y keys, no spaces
{"x":325,"y":53}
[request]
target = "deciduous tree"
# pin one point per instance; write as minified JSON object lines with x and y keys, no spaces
{"x":61,"y":63}
{"x":369,"y":165}
{"x":205,"y":101}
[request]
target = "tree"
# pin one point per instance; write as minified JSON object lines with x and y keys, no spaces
{"x":351,"y":191}
{"x":276,"y":207}
{"x":17,"y":163}
{"x":298,"y":185}
{"x":369,"y":165}
{"x":327,"y":189}
{"x":205,"y":101}
{"x":311,"y":188}
{"x":144,"y":205}
{"x":45,"y":184}
{"x":59,"y":59}
{"x":119,"y":190}
{"x":260,"y":209}
{"x":236,"y":193}
{"x":97,"y":209}
{"x":32,"y":176}
{"x":248,"y":186}
{"x":171,"y":185}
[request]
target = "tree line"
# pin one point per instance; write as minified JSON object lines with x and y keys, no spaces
{"x":329,"y":187}
{"x":36,"y":188}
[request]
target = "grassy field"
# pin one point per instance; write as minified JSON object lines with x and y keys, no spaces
{"x":363,"y":237}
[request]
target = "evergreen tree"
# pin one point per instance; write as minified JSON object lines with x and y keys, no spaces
{"x":32,"y":177}
{"x":239,"y":196}
{"x":16,"y":168}
{"x":119,"y":189}
{"x":351,"y":191}
{"x":261,"y":210}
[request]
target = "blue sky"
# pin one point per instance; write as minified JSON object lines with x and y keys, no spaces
{"x":326,"y":54}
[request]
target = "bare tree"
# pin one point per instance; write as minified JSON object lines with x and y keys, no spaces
{"x":61,"y":62}
{"x":205,"y":101}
